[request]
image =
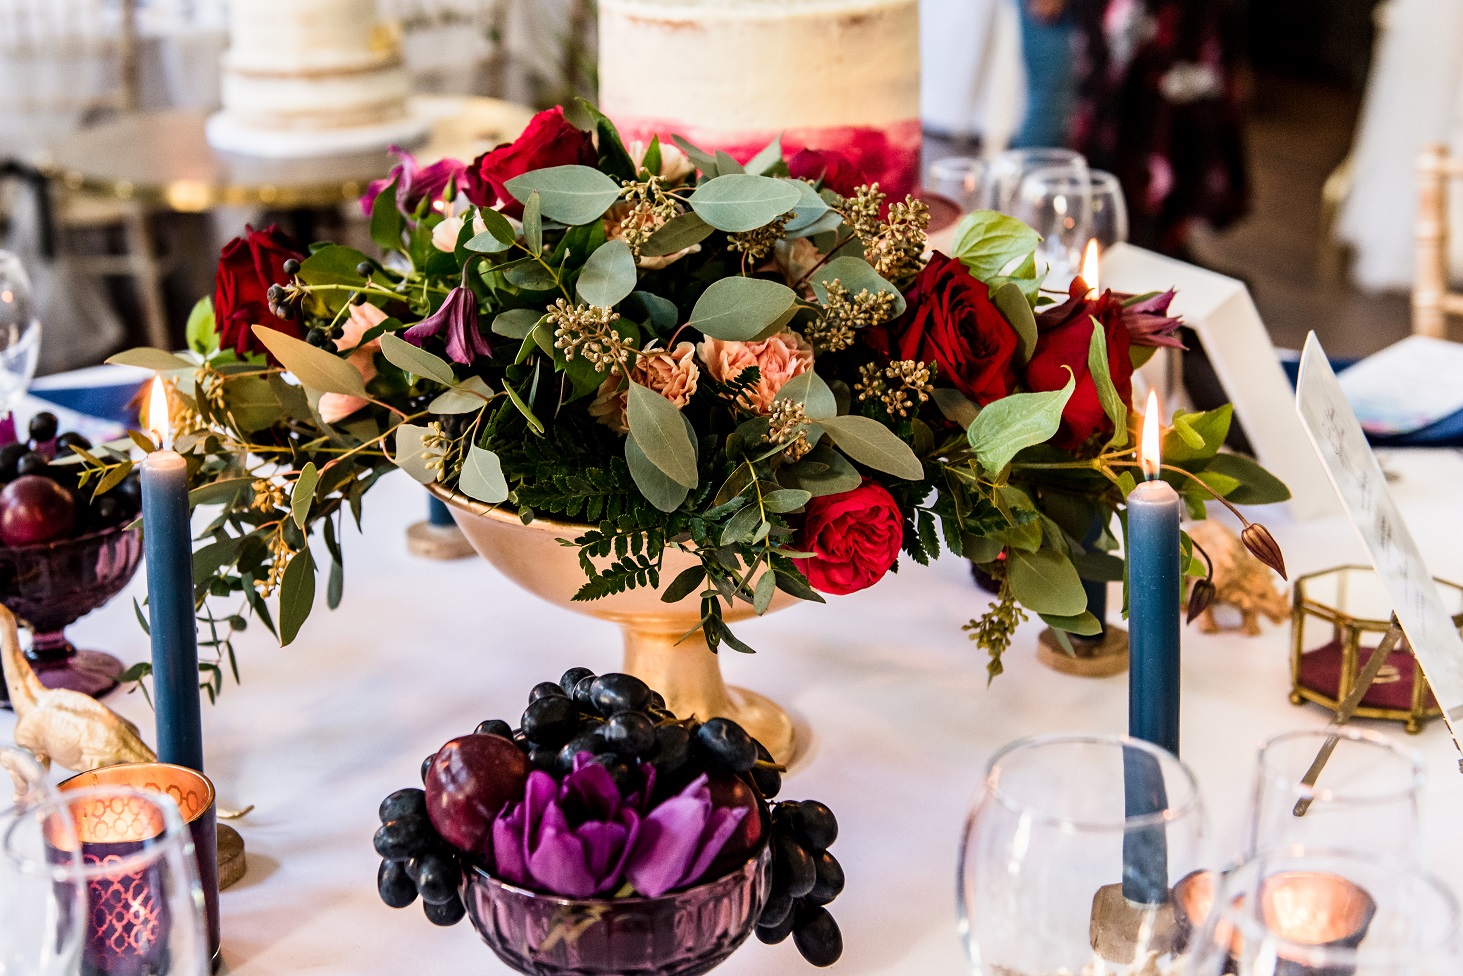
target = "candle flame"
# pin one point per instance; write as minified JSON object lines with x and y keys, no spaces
{"x":1149,"y":455}
{"x":158,"y":422}
{"x":1089,"y":267}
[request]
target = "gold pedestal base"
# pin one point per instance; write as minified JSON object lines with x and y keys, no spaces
{"x":1094,"y":659}
{"x":231,"y":863}
{"x":444,"y":542}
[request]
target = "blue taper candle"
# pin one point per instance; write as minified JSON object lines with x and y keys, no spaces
{"x":168,"y":547}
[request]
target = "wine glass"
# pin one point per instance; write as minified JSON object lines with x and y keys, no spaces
{"x":1298,"y":912}
{"x":1056,"y":202}
{"x":20,"y":332}
{"x":106,"y":875}
{"x":1109,"y":209}
{"x":1068,"y":857}
{"x":960,"y":179}
{"x":1006,"y":172}
{"x":1365,"y":797}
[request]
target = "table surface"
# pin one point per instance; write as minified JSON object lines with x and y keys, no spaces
{"x":162,"y":158}
{"x":419,"y":652}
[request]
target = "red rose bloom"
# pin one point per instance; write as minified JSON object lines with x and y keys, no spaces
{"x":854,"y":538}
{"x":548,"y":141}
{"x":1062,"y":341}
{"x":246,"y":269}
{"x":838,"y":173}
{"x":952,"y":323}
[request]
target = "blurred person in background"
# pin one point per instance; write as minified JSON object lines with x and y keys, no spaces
{"x":1050,"y":48}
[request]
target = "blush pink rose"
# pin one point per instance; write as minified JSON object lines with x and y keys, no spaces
{"x":672,"y":373}
{"x":779,"y":359}
{"x":335,"y":407}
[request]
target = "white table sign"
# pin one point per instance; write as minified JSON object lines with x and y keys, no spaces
{"x":1353,"y":469}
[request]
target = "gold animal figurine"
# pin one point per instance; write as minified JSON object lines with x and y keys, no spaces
{"x":1242,"y":581}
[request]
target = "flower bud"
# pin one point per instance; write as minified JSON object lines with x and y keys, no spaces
{"x":1262,"y":546}
{"x":1201,"y":597}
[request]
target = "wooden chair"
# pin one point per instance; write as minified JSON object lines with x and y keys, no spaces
{"x":1432,"y":301}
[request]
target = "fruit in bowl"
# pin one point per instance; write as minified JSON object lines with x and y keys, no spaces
{"x":605,"y":835}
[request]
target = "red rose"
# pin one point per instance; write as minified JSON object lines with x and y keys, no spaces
{"x":838,"y":173}
{"x":548,"y":141}
{"x":854,"y":538}
{"x":246,"y":269}
{"x":1062,"y":341}
{"x":951,"y":322}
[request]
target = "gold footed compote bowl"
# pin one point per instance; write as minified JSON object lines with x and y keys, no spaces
{"x":657,"y":648}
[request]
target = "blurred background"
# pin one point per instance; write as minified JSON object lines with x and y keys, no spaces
{"x":1272,"y":140}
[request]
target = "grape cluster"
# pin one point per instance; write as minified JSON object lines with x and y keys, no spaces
{"x":623,"y":725}
{"x":42,"y":501}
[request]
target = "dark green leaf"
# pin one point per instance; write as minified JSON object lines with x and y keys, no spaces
{"x":335,"y":586}
{"x":497,"y":236}
{"x":823,"y":472}
{"x":762,"y":595}
{"x":296,"y":595}
{"x":786,"y":500}
{"x":1045,"y":581}
{"x":659,"y":313}
{"x":304,"y":493}
{"x":1257,"y":486}
{"x":688,"y":581}
{"x":387,"y":223}
{"x":516,"y":322}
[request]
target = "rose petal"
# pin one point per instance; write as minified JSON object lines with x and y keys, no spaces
{"x":557,"y":863}
{"x":724,"y":822}
{"x":669,"y":837}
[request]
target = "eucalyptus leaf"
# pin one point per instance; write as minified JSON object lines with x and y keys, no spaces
{"x":471,"y":394}
{"x":677,"y":234}
{"x":871,"y":443}
{"x":1083,"y":624}
{"x":487,"y":243}
{"x":516,"y":322}
{"x":822,"y":472}
{"x":739,"y":308}
{"x":296,"y":595}
{"x":738,"y":202}
{"x":251,"y":402}
{"x":387,"y":223}
{"x":1016,"y":310}
{"x":1015,"y":422}
{"x":810,"y":213}
{"x":726,"y":164}
{"x":786,"y":500}
{"x":304,"y":493}
{"x":687,"y":581}
{"x":1257,"y":486}
{"x":762,"y":594}
{"x":660,"y":432}
{"x":608,"y":276}
{"x":496,"y":224}
{"x":766,"y":158}
{"x":956,"y":406}
{"x":657,"y":312}
{"x":572,"y":195}
{"x":854,"y":274}
{"x":810,"y":389}
{"x":1107,"y":392}
{"x":531,"y":276}
{"x":533,"y":223}
{"x":699,"y":157}
{"x":147,"y":357}
{"x":987,"y":241}
{"x":410,"y":455}
{"x":1045,"y":581}
{"x":216,"y":492}
{"x":482,"y":476}
{"x":418,"y":362}
{"x":315,"y":368}
{"x":657,"y":487}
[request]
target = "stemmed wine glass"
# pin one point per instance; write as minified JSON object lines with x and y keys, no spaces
{"x":1006,"y":172}
{"x":962,"y":180}
{"x":1056,"y":202}
{"x":20,"y":333}
{"x":1109,"y":209}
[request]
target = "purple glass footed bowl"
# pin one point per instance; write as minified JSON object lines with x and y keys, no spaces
{"x":682,"y":933}
{"x":51,"y":584}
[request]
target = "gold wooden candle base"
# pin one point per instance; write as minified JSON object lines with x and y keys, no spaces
{"x":443,"y":542}
{"x":1093,"y":658}
{"x":231,"y":862}
{"x":1125,"y":932}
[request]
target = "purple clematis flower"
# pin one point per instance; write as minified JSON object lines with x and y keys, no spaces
{"x":679,"y":839}
{"x":1145,"y":317}
{"x":571,"y":838}
{"x":459,"y":317}
{"x":416,"y":183}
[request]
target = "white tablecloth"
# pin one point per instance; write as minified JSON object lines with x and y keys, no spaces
{"x":420,"y":651}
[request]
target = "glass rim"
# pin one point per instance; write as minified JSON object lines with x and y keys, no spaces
{"x":174,"y":833}
{"x":1192,"y":804}
{"x":1310,"y":954}
{"x":1292,"y":782}
{"x":957,"y":165}
{"x":1032,"y":152}
{"x":1082,"y":181}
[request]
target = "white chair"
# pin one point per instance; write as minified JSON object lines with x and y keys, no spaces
{"x":1432,"y":299}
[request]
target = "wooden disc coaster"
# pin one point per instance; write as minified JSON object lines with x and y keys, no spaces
{"x":231,"y":864}
{"x":1093,"y":658}
{"x":437,"y":541}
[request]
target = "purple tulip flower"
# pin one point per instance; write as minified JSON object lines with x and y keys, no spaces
{"x":679,"y":839}
{"x":459,"y":317}
{"x":415,"y":183}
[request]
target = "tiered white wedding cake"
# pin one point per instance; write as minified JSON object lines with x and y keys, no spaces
{"x":312,"y":77}
{"x":834,"y":75}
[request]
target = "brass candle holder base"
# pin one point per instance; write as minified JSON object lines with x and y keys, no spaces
{"x":1093,"y":657}
{"x":441,"y":542}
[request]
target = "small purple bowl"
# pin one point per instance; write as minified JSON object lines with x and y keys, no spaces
{"x":683,"y":933}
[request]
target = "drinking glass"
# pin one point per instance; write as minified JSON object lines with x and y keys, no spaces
{"x":960,"y":179}
{"x":106,"y":876}
{"x":20,"y":332}
{"x":1365,"y":798}
{"x":1109,"y":209}
{"x":1297,"y":912}
{"x":1056,"y":202}
{"x":1006,"y":172}
{"x":1068,"y":856}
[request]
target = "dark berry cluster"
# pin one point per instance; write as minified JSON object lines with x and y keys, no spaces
{"x":42,"y":500}
{"x":429,"y":838}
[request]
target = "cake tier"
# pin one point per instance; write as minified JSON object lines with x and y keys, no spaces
{"x":836,"y":75}
{"x":290,"y":36}
{"x":316,"y":101}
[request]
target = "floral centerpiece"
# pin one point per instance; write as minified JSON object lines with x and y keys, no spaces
{"x":756,"y":363}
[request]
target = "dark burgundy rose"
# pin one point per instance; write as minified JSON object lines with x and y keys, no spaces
{"x":854,"y":537}
{"x":548,"y":141}
{"x":415,"y":183}
{"x":246,"y":269}
{"x":952,"y":323}
{"x":1064,"y":343}
{"x":836,"y":171}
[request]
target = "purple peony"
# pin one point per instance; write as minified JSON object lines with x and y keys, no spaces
{"x":415,"y":183}
{"x":679,"y":839}
{"x":459,"y":317}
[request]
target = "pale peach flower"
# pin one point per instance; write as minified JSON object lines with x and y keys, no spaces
{"x":444,"y":235}
{"x":779,"y":359}
{"x":674,"y":166}
{"x":335,"y":407}
{"x":672,"y":373}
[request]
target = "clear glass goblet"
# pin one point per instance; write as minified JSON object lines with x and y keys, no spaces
{"x":1006,"y":172}
{"x":960,"y":179}
{"x":20,"y":332}
{"x":1069,"y":855}
{"x":1056,"y":202}
{"x":1109,"y":209}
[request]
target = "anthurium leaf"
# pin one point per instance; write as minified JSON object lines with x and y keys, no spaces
{"x":956,"y":406}
{"x":1256,"y":485}
{"x":1107,"y":392}
{"x":322,"y":371}
{"x":1083,"y":624}
{"x":854,"y":274}
{"x":147,"y":357}
{"x":418,"y":362}
{"x":482,"y":476}
{"x":304,"y":493}
{"x":608,"y":276}
{"x":410,"y":455}
{"x":813,"y":393}
{"x":1045,"y":581}
{"x":660,"y":432}
{"x":571,"y":195}
{"x":738,"y":202}
{"x":766,"y":158}
{"x":871,"y":443}
{"x":296,"y":595}
{"x":739,"y":308}
{"x":1015,"y":422}
{"x":469,"y":395}
{"x":657,"y":487}
{"x":516,"y":322}
{"x":987,"y":241}
{"x":677,"y":234}
{"x":1211,"y":425}
{"x":1012,"y":302}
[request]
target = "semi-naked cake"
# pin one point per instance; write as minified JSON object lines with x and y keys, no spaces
{"x":834,"y":75}
{"x":308,"y":77}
